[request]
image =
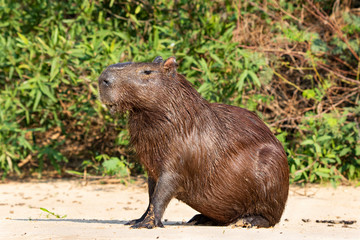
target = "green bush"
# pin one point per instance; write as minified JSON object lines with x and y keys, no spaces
{"x":326,"y":153}
{"x":269,"y":58}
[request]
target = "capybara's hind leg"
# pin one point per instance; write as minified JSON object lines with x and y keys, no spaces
{"x":252,"y":221}
{"x":200,"y":219}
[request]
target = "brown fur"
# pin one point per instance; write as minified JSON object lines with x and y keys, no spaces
{"x":221,"y":160}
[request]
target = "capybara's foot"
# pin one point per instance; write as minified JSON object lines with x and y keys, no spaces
{"x":148,"y":223}
{"x":200,"y":219}
{"x":252,"y":222}
{"x":134,"y":221}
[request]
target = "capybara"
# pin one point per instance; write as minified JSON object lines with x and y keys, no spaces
{"x":221,"y":160}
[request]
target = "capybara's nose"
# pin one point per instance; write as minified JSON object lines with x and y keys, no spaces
{"x":106,"y":81}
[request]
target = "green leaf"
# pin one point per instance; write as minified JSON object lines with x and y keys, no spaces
{"x":138,"y":9}
{"x":45,"y":210}
{"x":217,"y":59}
{"x":133,"y":17}
{"x":115,"y":166}
{"x":357,"y":150}
{"x":317,"y":148}
{"x":53,"y":214}
{"x":48,"y":50}
{"x":309,"y":93}
{"x":45,"y":90}
{"x":254,"y":78}
{"x":351,"y":171}
{"x":203,"y":65}
{"x":55,"y":68}
{"x":111,"y":164}
{"x":205,"y":87}
{"x":242,"y":78}
{"x":112,"y":45}
{"x":318,"y":46}
{"x":344,"y":151}
{"x":75,"y":173}
{"x":323,"y":138}
{"x":123,"y":35}
{"x":23,"y":38}
{"x":37,"y":100}
{"x":23,"y":142}
{"x":156,"y":39}
{"x":324,"y":170}
{"x":307,"y":142}
{"x":332,"y":122}
{"x":55,"y":35}
{"x":322,"y":174}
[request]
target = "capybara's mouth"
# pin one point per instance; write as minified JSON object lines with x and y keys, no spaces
{"x":116,"y":107}
{"x":112,"y":107}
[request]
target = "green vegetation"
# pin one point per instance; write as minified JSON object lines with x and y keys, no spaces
{"x":52,"y":214}
{"x":295,"y":63}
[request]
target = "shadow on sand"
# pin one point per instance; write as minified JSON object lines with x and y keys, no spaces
{"x":122,"y":222}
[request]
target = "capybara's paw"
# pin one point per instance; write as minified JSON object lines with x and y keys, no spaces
{"x":134,"y":221}
{"x":149,"y":224}
{"x":252,"y":222}
{"x":243,"y":223}
{"x":200,"y":219}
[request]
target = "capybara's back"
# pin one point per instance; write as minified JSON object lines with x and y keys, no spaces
{"x":221,"y":160}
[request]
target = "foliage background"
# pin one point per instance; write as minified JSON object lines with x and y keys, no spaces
{"x":295,"y":63}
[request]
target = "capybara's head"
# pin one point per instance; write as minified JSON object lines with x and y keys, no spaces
{"x":131,"y":86}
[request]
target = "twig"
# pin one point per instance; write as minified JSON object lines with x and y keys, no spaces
{"x":346,"y":79}
{"x":305,"y":169}
{"x":322,"y":16}
{"x":287,"y":81}
{"x":315,"y":116}
{"x":285,"y":12}
{"x":341,"y":176}
{"x":283,"y":51}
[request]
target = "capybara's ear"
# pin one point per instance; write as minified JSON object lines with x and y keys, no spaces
{"x":158,"y":59}
{"x":170,"y":64}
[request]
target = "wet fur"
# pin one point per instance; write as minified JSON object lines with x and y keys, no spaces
{"x":221,"y":160}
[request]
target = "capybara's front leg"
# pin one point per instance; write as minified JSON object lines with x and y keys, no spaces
{"x":164,"y":191}
{"x":151,"y":187}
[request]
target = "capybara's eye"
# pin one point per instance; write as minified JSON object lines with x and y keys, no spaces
{"x":148,"y":72}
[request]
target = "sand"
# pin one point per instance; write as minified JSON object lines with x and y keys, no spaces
{"x":98,"y":211}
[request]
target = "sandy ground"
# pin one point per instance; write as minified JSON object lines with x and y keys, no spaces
{"x":95,"y":211}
